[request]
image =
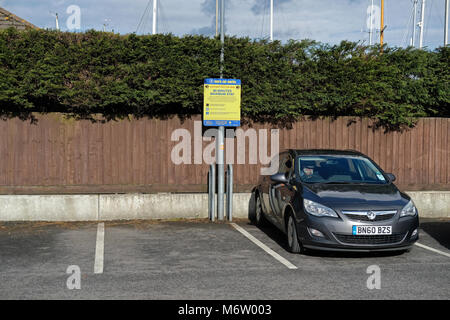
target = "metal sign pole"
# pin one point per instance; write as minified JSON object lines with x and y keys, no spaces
{"x":221,"y":95}
{"x":230,"y":192}
{"x":222,"y":35}
{"x":221,"y":132}
{"x":220,"y":172}
{"x":212,"y":192}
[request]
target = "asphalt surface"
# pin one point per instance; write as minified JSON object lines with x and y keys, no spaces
{"x":202,"y":260}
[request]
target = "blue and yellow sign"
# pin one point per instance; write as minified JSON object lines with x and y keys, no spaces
{"x":222,"y":102}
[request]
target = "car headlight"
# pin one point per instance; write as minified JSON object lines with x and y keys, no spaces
{"x":408,"y":210}
{"x":318,"y":210}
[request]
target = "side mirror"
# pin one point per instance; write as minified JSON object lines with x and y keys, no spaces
{"x":280,"y":178}
{"x":391,"y":177}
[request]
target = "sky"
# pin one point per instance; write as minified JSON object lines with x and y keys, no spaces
{"x":327,"y":21}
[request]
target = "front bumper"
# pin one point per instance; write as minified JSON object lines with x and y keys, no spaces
{"x":338,"y":234}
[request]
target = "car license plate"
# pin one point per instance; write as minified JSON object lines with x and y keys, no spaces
{"x":371,"y":230}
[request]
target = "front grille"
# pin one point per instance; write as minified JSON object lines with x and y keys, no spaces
{"x":360,"y":217}
{"x":370,"y":239}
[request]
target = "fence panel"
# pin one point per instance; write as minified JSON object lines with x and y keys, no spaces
{"x":58,"y":155}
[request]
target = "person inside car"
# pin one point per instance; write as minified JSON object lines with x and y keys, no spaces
{"x":310,"y":173}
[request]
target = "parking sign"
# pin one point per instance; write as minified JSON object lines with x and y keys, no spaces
{"x":222,"y":102}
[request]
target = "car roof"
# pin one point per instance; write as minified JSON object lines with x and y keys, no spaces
{"x":299,"y":152}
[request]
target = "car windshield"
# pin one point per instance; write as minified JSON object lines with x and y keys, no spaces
{"x":338,"y":169}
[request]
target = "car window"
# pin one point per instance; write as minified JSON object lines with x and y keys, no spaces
{"x":338,"y":169}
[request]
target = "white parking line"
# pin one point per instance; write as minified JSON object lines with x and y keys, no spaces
{"x":264,"y":247}
{"x":432,"y":249}
{"x":99,"y":248}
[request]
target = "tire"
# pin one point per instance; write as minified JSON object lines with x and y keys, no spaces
{"x":292,"y":238}
{"x":252,"y":207}
{"x":260,"y":219}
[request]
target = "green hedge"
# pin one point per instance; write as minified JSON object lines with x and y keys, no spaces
{"x":161,"y":75}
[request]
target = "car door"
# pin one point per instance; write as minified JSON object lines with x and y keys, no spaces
{"x":284,"y":193}
{"x":265,"y":190}
{"x":278,"y":190}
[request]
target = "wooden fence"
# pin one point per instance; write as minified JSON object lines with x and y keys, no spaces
{"x":59,"y":155}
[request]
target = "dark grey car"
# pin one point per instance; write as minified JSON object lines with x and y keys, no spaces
{"x":335,"y":200}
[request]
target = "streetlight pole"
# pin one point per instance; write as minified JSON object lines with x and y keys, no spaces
{"x":382,"y":26}
{"x":271,"y":20}
{"x":371,"y":23}
{"x":155,"y":14}
{"x":446,"y":24}
{"x":413,"y":40}
{"x":422,"y":24}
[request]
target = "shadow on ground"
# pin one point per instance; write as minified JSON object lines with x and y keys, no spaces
{"x":439,"y":230}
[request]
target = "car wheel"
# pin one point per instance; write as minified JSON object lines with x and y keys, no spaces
{"x":252,"y":208}
{"x":292,"y":238}
{"x":259,"y":214}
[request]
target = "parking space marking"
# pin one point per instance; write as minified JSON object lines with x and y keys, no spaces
{"x":432,"y":249}
{"x":263,"y":246}
{"x":99,"y":248}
